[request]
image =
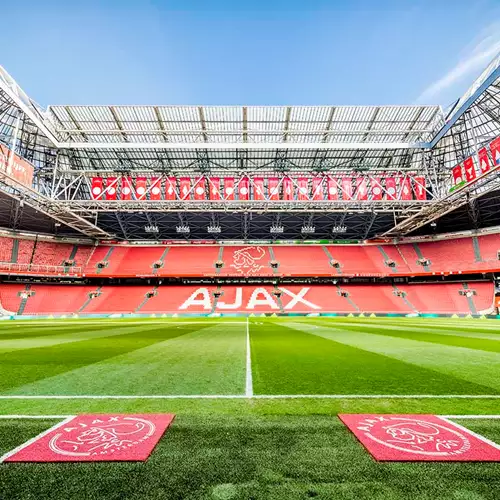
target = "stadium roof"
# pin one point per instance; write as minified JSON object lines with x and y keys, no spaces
{"x":70,"y":144}
{"x":267,"y":126}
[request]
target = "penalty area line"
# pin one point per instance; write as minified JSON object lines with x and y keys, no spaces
{"x":254,"y":396}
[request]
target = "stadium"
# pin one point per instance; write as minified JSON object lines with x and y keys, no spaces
{"x":255,"y":271}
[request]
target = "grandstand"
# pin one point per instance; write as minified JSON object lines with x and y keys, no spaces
{"x":132,"y":210}
{"x":257,"y":271}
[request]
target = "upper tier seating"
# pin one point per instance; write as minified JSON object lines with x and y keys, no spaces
{"x":6,"y":245}
{"x":445,"y":298}
{"x":464,"y":255}
{"x":51,"y":254}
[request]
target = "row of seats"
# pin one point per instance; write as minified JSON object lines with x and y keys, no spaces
{"x":475,"y":254}
{"x":443,"y":298}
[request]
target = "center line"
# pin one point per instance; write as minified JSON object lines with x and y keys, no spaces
{"x":249,"y":382}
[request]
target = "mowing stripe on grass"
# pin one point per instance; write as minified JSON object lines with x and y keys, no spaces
{"x":63,"y":337}
{"x":454,"y":332}
{"x":208,"y":360}
{"x":248,"y":382}
{"x":291,"y":361}
{"x":24,"y":367}
{"x":422,"y":335}
{"x":474,"y":366}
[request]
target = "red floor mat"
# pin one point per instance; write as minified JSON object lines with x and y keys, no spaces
{"x":89,"y":438}
{"x":414,"y":438}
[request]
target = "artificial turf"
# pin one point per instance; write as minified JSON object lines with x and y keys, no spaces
{"x":246,"y":448}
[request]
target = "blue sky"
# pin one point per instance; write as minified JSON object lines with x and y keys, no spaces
{"x":309,"y":52}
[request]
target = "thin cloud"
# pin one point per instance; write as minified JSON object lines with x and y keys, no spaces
{"x":475,"y":58}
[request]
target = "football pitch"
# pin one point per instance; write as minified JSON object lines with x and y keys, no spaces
{"x":255,"y":402}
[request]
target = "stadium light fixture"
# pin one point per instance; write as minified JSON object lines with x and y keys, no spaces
{"x":182,"y":229}
{"x":214,"y":229}
{"x":151,"y":229}
{"x":308,"y":229}
{"x":339,"y":229}
{"x":275,"y":229}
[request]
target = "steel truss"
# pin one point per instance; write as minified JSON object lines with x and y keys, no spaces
{"x":69,"y":144}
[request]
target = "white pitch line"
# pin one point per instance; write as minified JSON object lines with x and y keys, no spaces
{"x":257,"y":396}
{"x":36,"y":438}
{"x":249,"y":378}
{"x":470,"y":416}
{"x":35,"y":416}
{"x":477,"y":436}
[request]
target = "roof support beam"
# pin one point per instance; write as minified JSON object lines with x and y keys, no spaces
{"x":244,"y":145}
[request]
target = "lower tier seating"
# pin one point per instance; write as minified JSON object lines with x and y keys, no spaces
{"x":445,"y":298}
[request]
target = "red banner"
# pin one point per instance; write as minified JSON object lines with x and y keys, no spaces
{"x":419,"y":187}
{"x":96,"y":188}
{"x":244,"y":189}
{"x":155,"y":191}
{"x":405,"y":188}
{"x":484,"y":160}
{"x":390,"y":187}
{"x":470,"y":171}
{"x":140,"y":188}
{"x":229,"y":188}
{"x":287,"y":189}
{"x":185,"y":188}
{"x":376,"y":188}
{"x":317,"y":188}
{"x":15,"y":166}
{"x":273,"y":188}
{"x":111,"y":187}
{"x":333,"y":189}
{"x":495,"y":151}
{"x":214,"y":188}
{"x":361,"y":190}
{"x":258,"y":188}
{"x":303,"y":188}
{"x":199,"y":189}
{"x":170,"y":188}
{"x":347,"y":188}
{"x":126,"y":192}
{"x":456,"y":173}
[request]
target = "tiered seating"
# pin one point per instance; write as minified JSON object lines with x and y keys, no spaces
{"x":48,"y":253}
{"x":393,"y":254}
{"x":425,"y":298}
{"x":303,"y":261}
{"x":170,"y":299}
{"x":190,"y":261}
{"x":359,"y":260}
{"x":83,"y":254}
{"x":9,"y":296}
{"x":444,"y":298}
{"x":448,"y":255}
{"x":56,"y":299}
{"x":489,"y":246}
{"x":116,"y":300}
{"x":250,"y":260}
{"x":6,"y":245}
{"x":374,"y":298}
{"x":124,"y":260}
{"x":444,"y":256}
{"x":25,"y":251}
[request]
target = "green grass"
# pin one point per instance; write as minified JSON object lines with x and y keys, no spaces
{"x":245,"y":448}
